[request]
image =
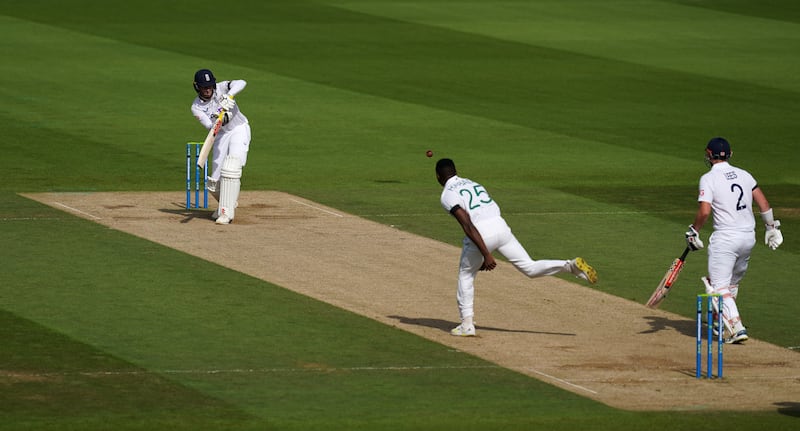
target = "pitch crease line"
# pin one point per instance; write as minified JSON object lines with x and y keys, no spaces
{"x":77,"y":211}
{"x":316,"y":208}
{"x":562,"y":381}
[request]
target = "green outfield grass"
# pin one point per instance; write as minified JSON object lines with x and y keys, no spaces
{"x":585,"y":119}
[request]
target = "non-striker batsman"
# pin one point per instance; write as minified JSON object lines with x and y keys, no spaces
{"x":229,"y":153}
{"x":728,"y":192}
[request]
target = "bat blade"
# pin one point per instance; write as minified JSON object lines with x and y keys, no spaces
{"x":205,"y":150}
{"x":667,"y":281}
{"x":209,"y":142}
{"x":677,"y":266}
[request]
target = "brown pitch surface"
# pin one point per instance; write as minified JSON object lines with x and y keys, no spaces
{"x":567,"y":334}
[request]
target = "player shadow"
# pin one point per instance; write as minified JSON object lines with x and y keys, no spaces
{"x":789,"y":408}
{"x":447,"y":325}
{"x":190,"y":214}
{"x":683,"y":326}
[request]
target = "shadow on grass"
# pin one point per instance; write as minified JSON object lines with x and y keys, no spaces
{"x":789,"y":408}
{"x":447,"y":325}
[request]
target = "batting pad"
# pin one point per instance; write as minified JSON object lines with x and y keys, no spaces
{"x":231,"y":174}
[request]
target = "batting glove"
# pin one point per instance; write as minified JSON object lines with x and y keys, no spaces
{"x":693,"y":239}
{"x":227,"y":103}
{"x":226,"y":117}
{"x":774,"y":238}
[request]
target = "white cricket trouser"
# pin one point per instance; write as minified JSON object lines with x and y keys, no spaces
{"x":497,"y":236}
{"x":728,"y":257}
{"x":235,"y":142}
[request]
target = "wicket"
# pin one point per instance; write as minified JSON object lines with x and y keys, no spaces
{"x":189,"y":165}
{"x":709,"y":300}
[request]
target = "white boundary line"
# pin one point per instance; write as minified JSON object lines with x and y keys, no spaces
{"x":8,"y":373}
{"x":28,"y":218}
{"x":395,"y":215}
{"x":12,"y":374}
{"x":547,"y":213}
{"x":316,"y":208}
{"x":690,"y":379}
{"x":77,"y":211}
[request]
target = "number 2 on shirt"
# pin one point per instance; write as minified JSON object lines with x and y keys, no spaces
{"x":475,"y":199}
{"x":739,"y":205}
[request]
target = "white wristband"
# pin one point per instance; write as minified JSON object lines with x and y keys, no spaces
{"x":767,"y":217}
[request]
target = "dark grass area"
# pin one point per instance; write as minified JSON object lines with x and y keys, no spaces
{"x":771,"y":9}
{"x":653,"y":109}
{"x":49,"y":377}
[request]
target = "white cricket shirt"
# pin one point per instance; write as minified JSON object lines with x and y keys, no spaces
{"x":730,"y":191}
{"x":470,"y":196}
{"x":207,"y":112}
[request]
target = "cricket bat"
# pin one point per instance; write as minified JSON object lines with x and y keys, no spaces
{"x":669,"y":278}
{"x":209,"y":142}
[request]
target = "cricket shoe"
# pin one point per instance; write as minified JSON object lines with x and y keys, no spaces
{"x":223,"y":219}
{"x":739,"y":338}
{"x":462,"y":331}
{"x":715,"y":331}
{"x":215,"y":214}
{"x":583,"y":270}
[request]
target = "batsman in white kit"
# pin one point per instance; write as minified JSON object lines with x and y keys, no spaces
{"x":215,"y":102}
{"x":729,"y":192}
{"x":487,"y":231}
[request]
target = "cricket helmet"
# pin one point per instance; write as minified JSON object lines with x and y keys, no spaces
{"x":204,"y":78}
{"x":717,"y":149}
